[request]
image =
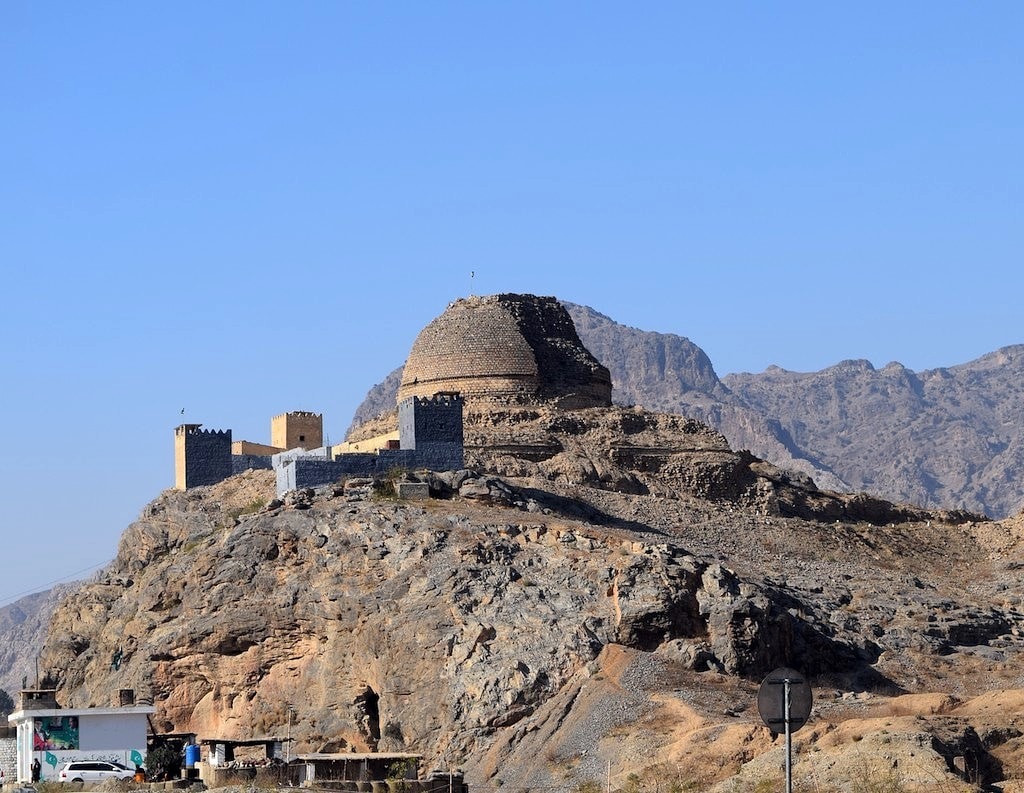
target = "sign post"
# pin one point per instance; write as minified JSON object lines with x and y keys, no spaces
{"x":785,"y":700}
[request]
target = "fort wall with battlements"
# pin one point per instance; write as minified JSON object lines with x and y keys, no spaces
{"x":497,"y":349}
{"x":432,"y":438}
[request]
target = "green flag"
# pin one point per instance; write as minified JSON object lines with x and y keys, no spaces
{"x":136,"y":757}
{"x":51,"y":759}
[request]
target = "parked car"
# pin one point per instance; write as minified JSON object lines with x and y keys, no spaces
{"x":92,"y":771}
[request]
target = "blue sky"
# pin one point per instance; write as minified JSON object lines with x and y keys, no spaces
{"x":245,"y":208}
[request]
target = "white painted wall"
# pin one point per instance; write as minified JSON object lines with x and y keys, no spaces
{"x":101,"y":736}
{"x":112,"y":731}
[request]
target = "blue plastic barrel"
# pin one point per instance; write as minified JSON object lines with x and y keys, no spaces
{"x":191,"y":755}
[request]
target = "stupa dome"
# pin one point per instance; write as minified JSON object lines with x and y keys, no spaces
{"x":508,"y":348}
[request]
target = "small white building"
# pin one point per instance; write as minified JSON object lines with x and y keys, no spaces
{"x":55,"y":735}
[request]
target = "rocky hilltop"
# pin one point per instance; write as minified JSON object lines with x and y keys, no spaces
{"x":542,"y":618}
{"x":950,"y":437}
{"x":593,"y":600}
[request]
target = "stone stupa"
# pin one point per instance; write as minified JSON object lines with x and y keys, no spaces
{"x":511,"y":349}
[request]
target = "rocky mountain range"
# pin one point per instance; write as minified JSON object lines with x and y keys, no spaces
{"x":23,"y":625}
{"x":951,"y":437}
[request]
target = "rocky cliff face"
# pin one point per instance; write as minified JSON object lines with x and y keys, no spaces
{"x":609,"y":565}
{"x":655,"y":370}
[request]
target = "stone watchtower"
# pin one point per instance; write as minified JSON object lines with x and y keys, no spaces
{"x":201,"y":457}
{"x":299,"y":429}
{"x":433,"y":427}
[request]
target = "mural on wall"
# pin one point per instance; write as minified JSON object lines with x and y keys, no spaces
{"x":55,"y":733}
{"x":122,"y":758}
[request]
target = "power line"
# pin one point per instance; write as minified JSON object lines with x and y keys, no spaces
{"x":8,"y":599}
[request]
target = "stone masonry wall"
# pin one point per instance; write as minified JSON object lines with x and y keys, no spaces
{"x":298,"y":471}
{"x":297,"y":429}
{"x":566,"y":370}
{"x":433,"y":427}
{"x":476,"y":348}
{"x":205,"y":456}
{"x":436,"y":419}
{"x":257,"y":462}
{"x":389,"y":459}
{"x":437,"y":457}
{"x":311,"y":472}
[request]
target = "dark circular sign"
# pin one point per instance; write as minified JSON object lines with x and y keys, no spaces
{"x":771,"y":700}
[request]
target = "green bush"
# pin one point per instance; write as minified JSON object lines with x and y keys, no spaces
{"x":386,"y":487}
{"x":163,"y":762}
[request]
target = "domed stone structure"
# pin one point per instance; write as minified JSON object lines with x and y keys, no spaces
{"x":506,"y":348}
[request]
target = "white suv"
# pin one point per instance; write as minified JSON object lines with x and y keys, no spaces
{"x":92,"y":771}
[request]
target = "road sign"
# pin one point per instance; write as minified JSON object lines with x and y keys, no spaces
{"x":771,"y":700}
{"x":784,"y":702}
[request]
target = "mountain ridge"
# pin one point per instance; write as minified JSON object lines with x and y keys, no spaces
{"x":949,"y":437}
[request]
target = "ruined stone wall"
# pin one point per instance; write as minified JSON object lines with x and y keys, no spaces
{"x":567,"y":372}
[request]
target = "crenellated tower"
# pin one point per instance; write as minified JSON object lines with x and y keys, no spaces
{"x":299,"y":429}
{"x":201,"y":457}
{"x":433,"y":427}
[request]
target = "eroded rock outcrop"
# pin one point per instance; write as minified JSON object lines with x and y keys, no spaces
{"x":223,"y":611}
